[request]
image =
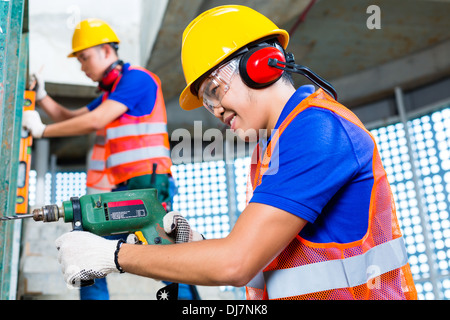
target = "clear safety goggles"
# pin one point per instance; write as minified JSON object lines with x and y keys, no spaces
{"x":214,"y":88}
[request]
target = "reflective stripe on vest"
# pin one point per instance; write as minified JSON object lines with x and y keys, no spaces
{"x":97,"y":165}
{"x":129,"y":156}
{"x":136,"y":130}
{"x":148,"y":153}
{"x":333,"y":274}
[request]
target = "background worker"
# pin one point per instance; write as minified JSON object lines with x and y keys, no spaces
{"x":131,"y":149}
{"x":320,"y":222}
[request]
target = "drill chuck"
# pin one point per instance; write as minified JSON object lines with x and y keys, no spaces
{"x":50,"y":213}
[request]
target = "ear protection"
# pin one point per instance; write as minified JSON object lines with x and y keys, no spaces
{"x":110,"y":76}
{"x":264,"y":64}
{"x":254,"y":66}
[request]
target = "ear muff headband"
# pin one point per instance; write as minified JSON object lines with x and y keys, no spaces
{"x":305,"y":71}
{"x":264,"y":64}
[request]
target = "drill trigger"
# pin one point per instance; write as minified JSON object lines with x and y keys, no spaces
{"x":141,"y":237}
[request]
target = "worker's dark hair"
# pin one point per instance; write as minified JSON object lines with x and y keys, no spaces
{"x":287,"y":78}
{"x":115,"y":46}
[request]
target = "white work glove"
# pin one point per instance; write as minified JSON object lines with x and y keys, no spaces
{"x":31,"y":121}
{"x":40,"y":86}
{"x":176,"y":224}
{"x":86,"y":256}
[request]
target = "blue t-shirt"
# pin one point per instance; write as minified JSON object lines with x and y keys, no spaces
{"x":323,"y":175}
{"x":136,"y":89}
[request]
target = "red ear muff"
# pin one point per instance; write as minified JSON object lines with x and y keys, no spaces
{"x":255,"y":70}
{"x":110,"y":76}
{"x":264,"y":64}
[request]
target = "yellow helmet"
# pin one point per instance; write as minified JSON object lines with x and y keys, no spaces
{"x":215,"y":35}
{"x":90,"y":33}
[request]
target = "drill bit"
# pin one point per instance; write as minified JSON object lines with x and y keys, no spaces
{"x":16,"y":217}
{"x":49,"y":213}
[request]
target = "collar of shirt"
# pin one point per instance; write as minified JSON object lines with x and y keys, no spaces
{"x":125,"y":67}
{"x":302,"y":93}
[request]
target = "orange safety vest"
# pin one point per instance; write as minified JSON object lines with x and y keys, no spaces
{"x":375,"y":267}
{"x":129,"y":146}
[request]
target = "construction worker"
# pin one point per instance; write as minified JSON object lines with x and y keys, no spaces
{"x":320,"y":221}
{"x":132,"y":149}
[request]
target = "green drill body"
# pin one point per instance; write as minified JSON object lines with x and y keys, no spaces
{"x":132,"y":211}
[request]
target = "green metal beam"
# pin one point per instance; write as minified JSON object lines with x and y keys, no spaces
{"x":13,"y":61}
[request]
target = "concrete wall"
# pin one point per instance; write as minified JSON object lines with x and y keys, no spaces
{"x":52,"y":23}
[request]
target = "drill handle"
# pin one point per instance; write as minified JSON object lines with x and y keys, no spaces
{"x":154,"y":235}
{"x":86,"y":283}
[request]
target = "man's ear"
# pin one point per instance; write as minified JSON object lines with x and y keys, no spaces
{"x":107,"y":51}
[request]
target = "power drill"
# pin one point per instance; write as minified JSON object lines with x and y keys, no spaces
{"x":131,"y":211}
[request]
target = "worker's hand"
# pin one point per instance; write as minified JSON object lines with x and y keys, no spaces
{"x":32,"y":122}
{"x":86,"y":256}
{"x":177,"y":225}
{"x":132,"y":239}
{"x":39,"y":85}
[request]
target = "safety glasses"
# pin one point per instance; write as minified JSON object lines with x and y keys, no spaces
{"x":214,"y":88}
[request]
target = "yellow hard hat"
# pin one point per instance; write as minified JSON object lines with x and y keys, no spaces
{"x":215,"y":35}
{"x":90,"y":33}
